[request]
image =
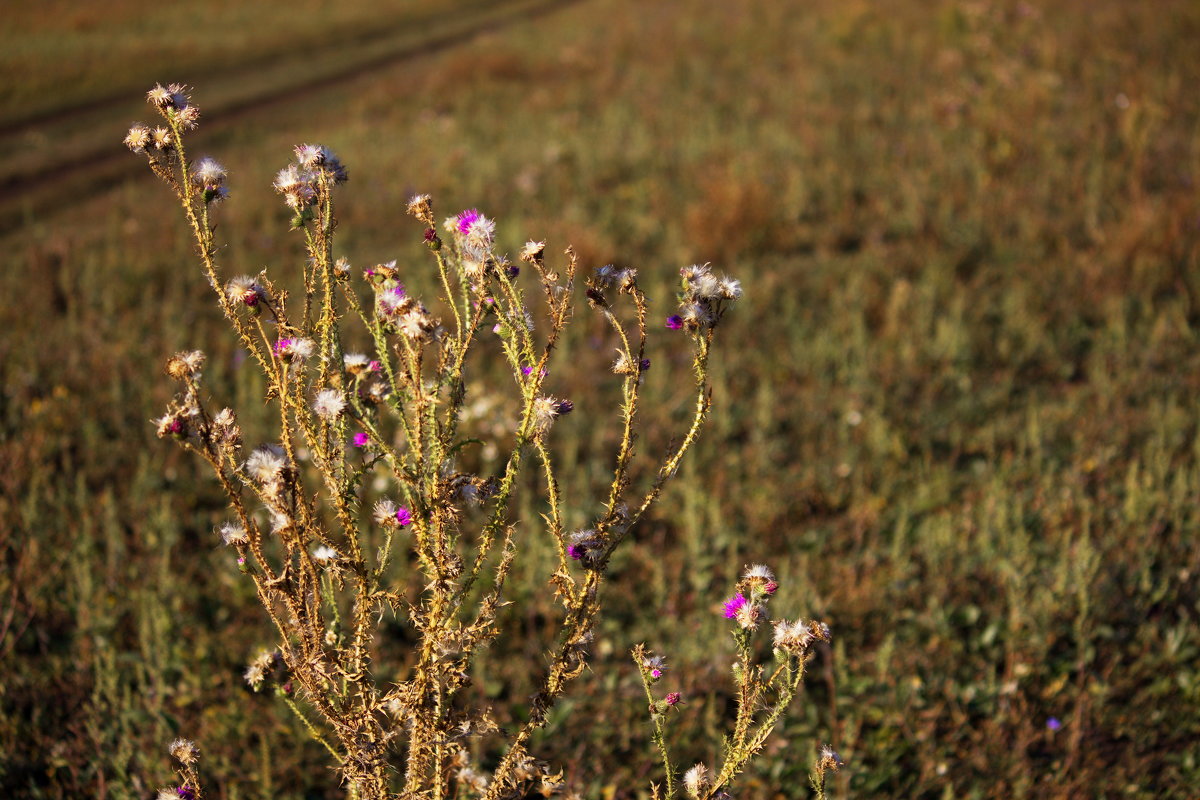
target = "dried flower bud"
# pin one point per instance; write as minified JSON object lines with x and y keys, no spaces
{"x":233,"y":534}
{"x":184,"y":751}
{"x":532,"y":252}
{"x":829,"y":759}
{"x":183,"y":366}
{"x":695,"y":781}
{"x":421,"y":207}
{"x":246,"y":290}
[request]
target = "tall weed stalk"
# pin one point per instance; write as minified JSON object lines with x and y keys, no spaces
{"x":330,"y":554}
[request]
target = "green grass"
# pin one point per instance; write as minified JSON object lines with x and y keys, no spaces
{"x":956,"y":410}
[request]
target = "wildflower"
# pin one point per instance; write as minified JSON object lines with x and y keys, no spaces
{"x":674,"y":322}
{"x":246,"y":290}
{"x":644,"y":365}
{"x":792,"y":637}
{"x":584,"y":546}
{"x":416,"y":324}
{"x":138,"y":138}
{"x":162,"y":138}
{"x":546,"y":409}
{"x":280,"y":521}
{"x":172,"y":424}
{"x":256,"y":672}
{"x":297,"y":186}
{"x":185,"y":793}
{"x":1054,"y":724}
{"x":673,"y":699}
{"x":188,"y":117}
{"x":403,"y":517}
{"x":384,"y":513}
{"x":356,"y":363}
{"x":297,"y":350}
{"x":748,"y":616}
{"x":325,"y":554}
{"x":315,"y":156}
{"x":654,"y":666}
{"x":328,"y":404}
{"x":184,"y":751}
{"x":186,"y":365}
{"x":476,"y":232}
{"x":694,"y":315}
{"x":173,"y":97}
{"x":695,"y":780}
{"x":624,"y":364}
{"x":761,"y":580}
{"x":532,"y":251}
{"x":361,"y":439}
{"x":478,"y":782}
{"x":733,"y":605}
{"x":266,"y":464}
{"x":208,"y":174}
{"x":232,"y":533}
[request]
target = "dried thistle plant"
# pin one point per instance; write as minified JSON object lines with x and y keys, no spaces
{"x":327,"y":555}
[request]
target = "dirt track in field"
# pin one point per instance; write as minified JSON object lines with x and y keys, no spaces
{"x":98,"y":162}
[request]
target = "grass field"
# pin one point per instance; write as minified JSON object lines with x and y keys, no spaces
{"x":956,"y":411}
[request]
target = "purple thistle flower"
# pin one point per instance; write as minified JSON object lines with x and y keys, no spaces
{"x":373,"y":366}
{"x":513,"y":271}
{"x":644,"y":364}
{"x":674,"y":698}
{"x":526,"y":371}
{"x":1053,"y":723}
{"x":575,"y":551}
{"x":282,"y":345}
{"x":403,"y":517}
{"x":674,"y":322}
{"x":399,"y":290}
{"x":361,"y":439}
{"x":185,"y":793}
{"x":430,"y":234}
{"x":466,"y":219}
{"x":656,"y":673}
{"x":564,"y":407}
{"x":733,"y":605}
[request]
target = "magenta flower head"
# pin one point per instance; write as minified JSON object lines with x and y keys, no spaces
{"x":466,"y":219}
{"x":403,"y":517}
{"x":656,"y":673}
{"x":674,"y":322}
{"x":674,"y":698}
{"x":185,"y":793}
{"x":361,"y":439}
{"x":733,"y":605}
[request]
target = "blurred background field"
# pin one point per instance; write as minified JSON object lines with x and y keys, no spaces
{"x":956,"y":410}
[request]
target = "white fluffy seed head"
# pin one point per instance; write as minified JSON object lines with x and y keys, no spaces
{"x":329,"y":404}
